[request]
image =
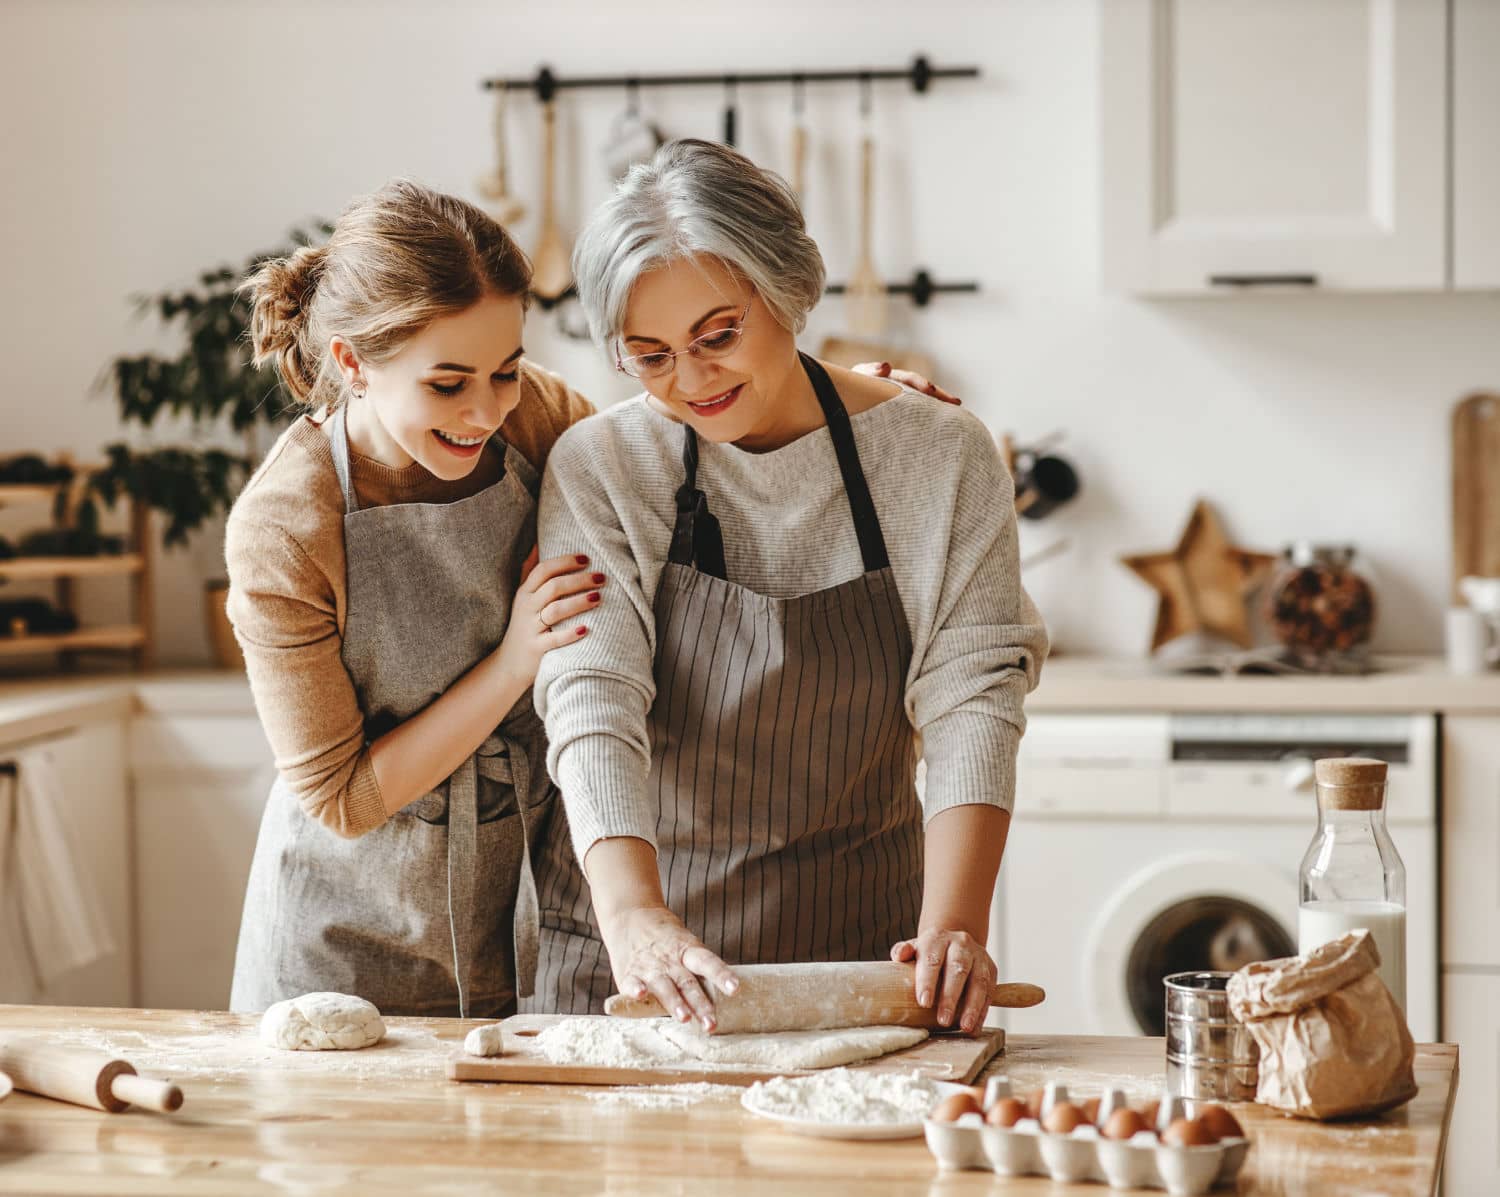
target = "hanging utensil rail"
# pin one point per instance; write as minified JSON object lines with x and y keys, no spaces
{"x":919,"y":74}
{"x":921,"y":288}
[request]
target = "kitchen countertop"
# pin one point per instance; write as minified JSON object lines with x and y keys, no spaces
{"x":41,"y":706}
{"x":385,"y":1120}
{"x":32,"y":707}
{"x":1412,"y":684}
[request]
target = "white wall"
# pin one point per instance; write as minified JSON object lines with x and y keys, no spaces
{"x":145,"y":139}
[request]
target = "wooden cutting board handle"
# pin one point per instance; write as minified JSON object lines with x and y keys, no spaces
{"x":808,"y":997}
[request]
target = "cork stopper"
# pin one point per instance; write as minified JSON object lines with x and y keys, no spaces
{"x":1350,"y":783}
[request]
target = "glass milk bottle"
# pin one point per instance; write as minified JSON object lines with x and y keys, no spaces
{"x":1352,"y":875}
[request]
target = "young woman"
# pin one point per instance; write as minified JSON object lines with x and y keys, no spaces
{"x":391,"y":620}
{"x":810,"y":567}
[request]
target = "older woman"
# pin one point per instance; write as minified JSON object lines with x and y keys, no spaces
{"x":812,"y":568}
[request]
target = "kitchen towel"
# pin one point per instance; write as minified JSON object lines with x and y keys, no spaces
{"x":43,"y":875}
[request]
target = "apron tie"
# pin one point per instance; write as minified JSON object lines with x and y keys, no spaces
{"x":503,"y":761}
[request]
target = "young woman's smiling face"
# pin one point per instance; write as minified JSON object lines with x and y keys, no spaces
{"x":439,"y":400}
{"x":728,"y":398}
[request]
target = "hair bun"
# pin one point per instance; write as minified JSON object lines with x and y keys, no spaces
{"x":285,"y":290}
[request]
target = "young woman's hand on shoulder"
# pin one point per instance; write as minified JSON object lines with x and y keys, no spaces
{"x":546,"y":609}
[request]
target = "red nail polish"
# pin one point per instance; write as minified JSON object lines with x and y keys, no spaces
{"x":581,"y":631}
{"x":598,"y":579}
{"x":582,"y":559}
{"x":594,"y":598}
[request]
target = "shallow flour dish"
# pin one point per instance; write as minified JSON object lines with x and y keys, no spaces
{"x":823,"y":1129}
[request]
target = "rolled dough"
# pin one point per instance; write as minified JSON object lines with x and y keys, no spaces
{"x":485,"y":1041}
{"x":792,"y":1049}
{"x":322,"y":1022}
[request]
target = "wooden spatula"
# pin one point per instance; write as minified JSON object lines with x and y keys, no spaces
{"x":810,"y":997}
{"x":866,"y":289}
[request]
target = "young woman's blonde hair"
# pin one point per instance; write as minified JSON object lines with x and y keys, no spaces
{"x":396,"y":261}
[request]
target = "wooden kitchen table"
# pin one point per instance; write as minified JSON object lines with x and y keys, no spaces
{"x":385,"y":1120}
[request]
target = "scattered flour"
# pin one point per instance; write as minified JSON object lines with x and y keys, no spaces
{"x":845,"y":1097}
{"x":664,"y":1097}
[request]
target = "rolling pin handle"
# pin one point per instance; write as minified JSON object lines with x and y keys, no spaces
{"x":143,"y":1091}
{"x":1017,"y":995}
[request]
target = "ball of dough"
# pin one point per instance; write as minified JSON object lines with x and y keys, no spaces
{"x":485,"y":1041}
{"x":322,"y":1022}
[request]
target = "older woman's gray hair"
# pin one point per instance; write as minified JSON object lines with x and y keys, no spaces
{"x":698,"y":197}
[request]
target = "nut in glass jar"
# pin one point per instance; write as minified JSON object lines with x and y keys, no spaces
{"x":1319,"y":605}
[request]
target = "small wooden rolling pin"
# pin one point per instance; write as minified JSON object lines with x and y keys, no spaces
{"x":810,"y":997}
{"x":83,"y":1077}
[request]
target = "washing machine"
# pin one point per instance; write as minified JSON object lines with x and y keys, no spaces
{"x":1148,"y":844}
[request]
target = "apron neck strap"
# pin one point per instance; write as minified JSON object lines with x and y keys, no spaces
{"x":697,"y":539}
{"x":861,"y":506}
{"x":338,"y":442}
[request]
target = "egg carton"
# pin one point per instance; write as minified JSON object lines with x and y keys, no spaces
{"x":1140,"y":1162}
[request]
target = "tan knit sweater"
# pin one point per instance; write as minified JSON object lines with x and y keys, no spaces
{"x":284,"y":546}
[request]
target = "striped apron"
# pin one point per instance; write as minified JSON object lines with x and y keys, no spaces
{"x":434,"y":912}
{"x":783,"y":763}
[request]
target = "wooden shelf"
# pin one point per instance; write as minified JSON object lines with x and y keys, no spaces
{"x":13,"y":494}
{"x":81,"y":640}
{"x":16,"y":568}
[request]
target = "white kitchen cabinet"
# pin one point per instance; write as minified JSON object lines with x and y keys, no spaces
{"x":201,"y":783}
{"x":1471,"y":841}
{"x":90,"y":762}
{"x":1476,"y":143}
{"x":1243,"y":144}
{"x":1471,"y":1018}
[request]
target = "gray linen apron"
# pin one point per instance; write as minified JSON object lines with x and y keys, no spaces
{"x":434,"y":912}
{"x":783,"y":763}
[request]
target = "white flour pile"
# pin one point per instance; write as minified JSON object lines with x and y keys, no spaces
{"x":846,"y":1097}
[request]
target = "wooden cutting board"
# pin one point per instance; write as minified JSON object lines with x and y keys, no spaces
{"x":1476,"y":488}
{"x":955,"y":1058}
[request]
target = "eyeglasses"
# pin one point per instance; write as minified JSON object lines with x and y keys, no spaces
{"x":721,"y":342}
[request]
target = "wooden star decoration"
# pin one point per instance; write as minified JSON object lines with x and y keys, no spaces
{"x":1203,"y":582}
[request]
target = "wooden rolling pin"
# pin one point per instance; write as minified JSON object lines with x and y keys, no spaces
{"x":810,"y":997}
{"x":83,"y":1077}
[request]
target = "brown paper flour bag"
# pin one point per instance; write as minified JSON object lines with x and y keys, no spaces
{"x":1333,"y":1042}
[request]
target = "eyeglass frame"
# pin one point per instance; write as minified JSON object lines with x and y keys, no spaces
{"x":691,"y":348}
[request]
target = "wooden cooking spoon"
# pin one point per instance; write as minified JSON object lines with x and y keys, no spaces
{"x":551,"y":263}
{"x":494,"y":185}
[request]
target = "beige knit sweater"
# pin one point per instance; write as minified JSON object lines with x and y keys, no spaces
{"x":284,"y":546}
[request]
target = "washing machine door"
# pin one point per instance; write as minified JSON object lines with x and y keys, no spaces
{"x":1213,"y":911}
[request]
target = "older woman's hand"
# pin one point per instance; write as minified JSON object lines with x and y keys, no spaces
{"x":955,"y":972}
{"x":908,"y":378}
{"x":652,"y":952}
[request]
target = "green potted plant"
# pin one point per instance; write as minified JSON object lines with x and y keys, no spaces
{"x":212,"y":384}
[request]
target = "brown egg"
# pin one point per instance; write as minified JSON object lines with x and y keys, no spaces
{"x":1149,"y":1111}
{"x":1034,"y":1103}
{"x":1090,"y":1110}
{"x":1063,"y":1118}
{"x":955,"y":1106}
{"x":1187,"y":1132}
{"x":1123,"y":1123}
{"x":1006,"y":1112}
{"x":1221,"y":1123}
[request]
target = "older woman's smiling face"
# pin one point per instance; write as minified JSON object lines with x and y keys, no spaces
{"x":729,"y":398}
